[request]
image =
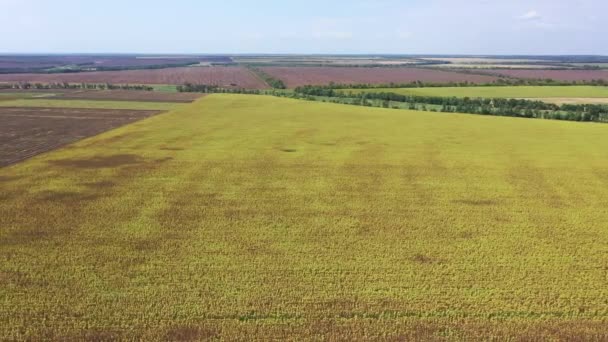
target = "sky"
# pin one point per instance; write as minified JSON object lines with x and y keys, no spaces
{"x":480,"y":27}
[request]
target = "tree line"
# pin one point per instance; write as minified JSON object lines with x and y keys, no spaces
{"x":275,"y":83}
{"x":483,"y":106}
{"x":65,"y":85}
{"x":501,"y":82}
{"x":207,"y":88}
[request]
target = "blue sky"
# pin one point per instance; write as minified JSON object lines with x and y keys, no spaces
{"x":311,"y":26}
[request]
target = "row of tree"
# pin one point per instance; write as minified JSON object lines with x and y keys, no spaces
{"x":484,"y":106}
{"x":206,"y":88}
{"x":65,"y":85}
{"x":275,"y":83}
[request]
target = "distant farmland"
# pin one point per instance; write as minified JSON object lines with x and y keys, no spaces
{"x":299,"y":76}
{"x":131,"y":95}
{"x":222,"y":76}
{"x":498,"y":92}
{"x":558,"y":75}
{"x":42,"y":63}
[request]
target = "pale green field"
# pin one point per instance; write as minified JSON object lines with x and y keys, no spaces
{"x":260,"y":218}
{"x":499,"y":92}
{"x":164,"y":87}
{"x":17,"y":96}
{"x":103,"y":104}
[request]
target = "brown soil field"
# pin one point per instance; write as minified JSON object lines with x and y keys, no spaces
{"x":131,"y":95}
{"x":26,"y":132}
{"x":559,"y":75}
{"x":222,"y":76}
{"x":299,"y":76}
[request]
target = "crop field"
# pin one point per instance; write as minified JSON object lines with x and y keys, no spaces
{"x":242,"y":217}
{"x":98,"y":95}
{"x":325,"y":60}
{"x":222,"y":76}
{"x":26,"y":132}
{"x":499,"y":92}
{"x":23,"y":95}
{"x":558,"y":75}
{"x":53,"y":102}
{"x":299,"y":76}
{"x":132,"y":95}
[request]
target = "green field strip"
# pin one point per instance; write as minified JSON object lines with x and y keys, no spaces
{"x":101,"y":104}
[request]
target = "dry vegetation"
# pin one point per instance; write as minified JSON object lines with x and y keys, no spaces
{"x":243,"y":218}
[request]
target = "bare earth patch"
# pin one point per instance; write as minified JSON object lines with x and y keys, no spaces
{"x":26,"y":132}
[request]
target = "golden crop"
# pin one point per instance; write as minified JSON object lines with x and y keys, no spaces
{"x":252,"y":217}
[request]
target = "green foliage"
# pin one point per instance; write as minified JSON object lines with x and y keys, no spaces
{"x":502,"y":82}
{"x":497,"y":92}
{"x":86,"y":86}
{"x":484,"y":106}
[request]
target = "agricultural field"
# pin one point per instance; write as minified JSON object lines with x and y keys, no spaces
{"x":558,"y":75}
{"x":228,"y":76}
{"x":483,"y":60}
{"x":53,"y":102}
{"x":299,"y":76}
{"x":25,"y":95}
{"x":488,"y":63}
{"x":574,"y":100}
{"x":498,"y":92}
{"x":241,"y":217}
{"x":325,"y":60}
{"x":26,"y":132}
{"x":110,"y":95}
{"x":132,"y":95}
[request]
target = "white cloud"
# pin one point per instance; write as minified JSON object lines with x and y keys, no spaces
{"x":530,"y":16}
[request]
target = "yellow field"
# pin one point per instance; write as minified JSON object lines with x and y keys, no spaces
{"x":252,"y":217}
